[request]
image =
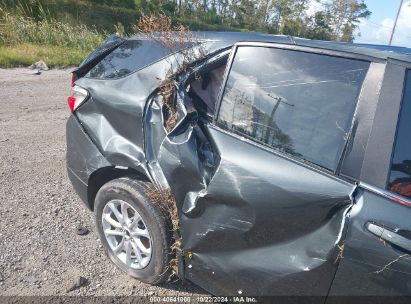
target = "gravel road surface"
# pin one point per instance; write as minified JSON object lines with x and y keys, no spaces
{"x":40,"y":250}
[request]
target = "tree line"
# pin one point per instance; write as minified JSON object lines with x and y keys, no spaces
{"x":315,"y":19}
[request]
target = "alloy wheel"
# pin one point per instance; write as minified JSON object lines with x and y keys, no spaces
{"x":127,"y":234}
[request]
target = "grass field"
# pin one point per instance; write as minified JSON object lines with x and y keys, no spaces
{"x":25,"y":54}
{"x":25,"y":39}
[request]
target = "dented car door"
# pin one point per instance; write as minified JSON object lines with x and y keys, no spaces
{"x":263,"y":210}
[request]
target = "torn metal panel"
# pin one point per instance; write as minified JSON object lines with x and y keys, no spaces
{"x":171,"y":153}
{"x":154,"y":133}
{"x":112,"y":117}
{"x":253,"y":220}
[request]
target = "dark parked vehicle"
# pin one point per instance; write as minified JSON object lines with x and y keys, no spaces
{"x":289,"y":162}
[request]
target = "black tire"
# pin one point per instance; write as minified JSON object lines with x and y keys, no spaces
{"x":133,"y":192}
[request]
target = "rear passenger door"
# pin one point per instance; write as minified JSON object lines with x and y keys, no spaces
{"x":378,"y":243}
{"x":270,"y":217}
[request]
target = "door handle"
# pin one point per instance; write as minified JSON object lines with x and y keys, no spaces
{"x":389,"y":236}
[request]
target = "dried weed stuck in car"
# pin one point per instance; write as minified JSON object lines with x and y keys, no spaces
{"x":179,"y":40}
{"x":167,"y":203}
{"x":167,"y":92}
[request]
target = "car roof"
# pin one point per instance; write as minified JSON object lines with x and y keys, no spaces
{"x":220,"y":40}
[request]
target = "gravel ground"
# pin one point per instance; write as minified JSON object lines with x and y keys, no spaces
{"x":40,"y":251}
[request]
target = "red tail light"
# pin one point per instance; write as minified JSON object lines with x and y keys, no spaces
{"x":78,"y":97}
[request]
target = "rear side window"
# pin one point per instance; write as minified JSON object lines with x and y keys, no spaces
{"x":300,"y":103}
{"x":129,"y":57}
{"x":400,"y":173}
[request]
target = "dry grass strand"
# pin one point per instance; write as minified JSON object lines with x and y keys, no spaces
{"x":167,"y":92}
{"x":391,"y":263}
{"x":340,"y":253}
{"x":177,"y":39}
{"x":180,"y":40}
{"x":167,"y":203}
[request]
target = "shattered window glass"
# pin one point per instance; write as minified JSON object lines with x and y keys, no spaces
{"x":129,"y":57}
{"x":297,"y":102}
{"x":400,"y":174}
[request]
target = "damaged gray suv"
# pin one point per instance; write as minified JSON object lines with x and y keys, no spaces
{"x":288,"y":161}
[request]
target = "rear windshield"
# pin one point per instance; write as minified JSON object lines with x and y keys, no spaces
{"x":129,"y":57}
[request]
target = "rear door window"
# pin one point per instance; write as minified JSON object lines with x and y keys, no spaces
{"x":129,"y":57}
{"x":400,"y":173}
{"x":300,"y":103}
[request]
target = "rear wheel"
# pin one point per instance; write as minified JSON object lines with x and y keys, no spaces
{"x":133,"y":230}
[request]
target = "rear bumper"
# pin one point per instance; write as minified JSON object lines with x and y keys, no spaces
{"x":82,"y":158}
{"x":79,"y":186}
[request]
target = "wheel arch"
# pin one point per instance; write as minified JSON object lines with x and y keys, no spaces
{"x":105,"y":174}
